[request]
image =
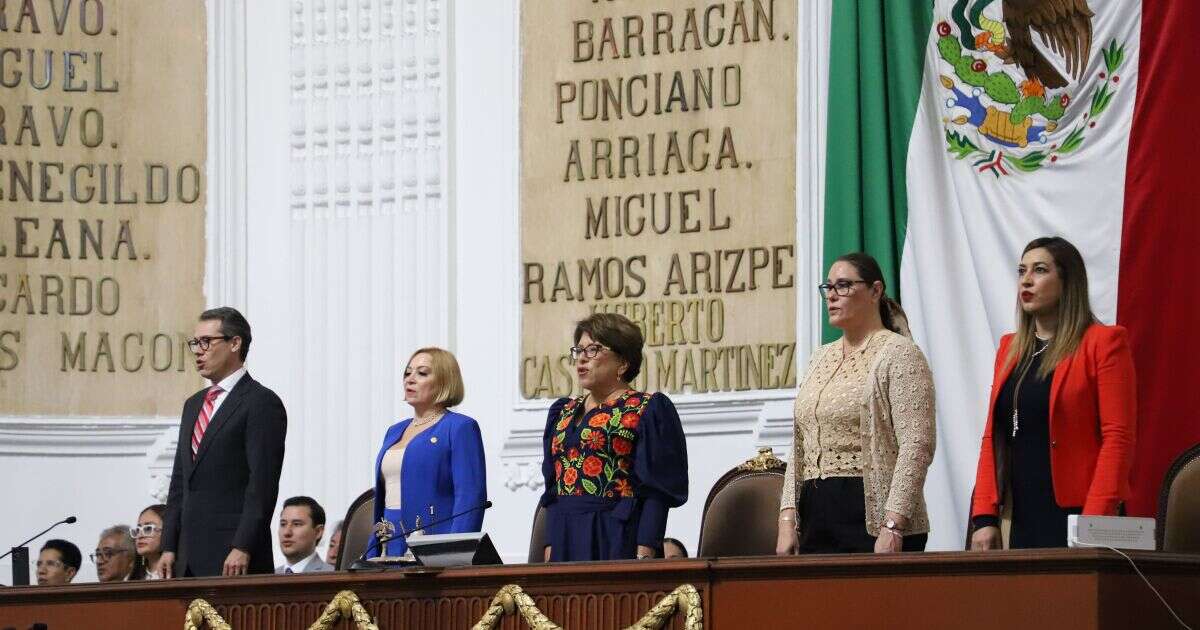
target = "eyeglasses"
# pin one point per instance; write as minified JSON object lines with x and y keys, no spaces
{"x":841,"y":287}
{"x":144,"y":531}
{"x":51,"y":564}
{"x":204,"y":343}
{"x":106,"y":554}
{"x":590,"y":351}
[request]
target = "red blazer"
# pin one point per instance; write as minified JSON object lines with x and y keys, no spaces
{"x":1093,"y":425}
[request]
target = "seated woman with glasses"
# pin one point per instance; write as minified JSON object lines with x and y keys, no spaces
{"x":430,"y":466}
{"x":147,"y":538}
{"x":1039,"y":463}
{"x":864,"y":427}
{"x":615,"y":459}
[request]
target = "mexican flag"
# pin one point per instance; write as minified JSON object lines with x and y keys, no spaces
{"x":959,"y":130}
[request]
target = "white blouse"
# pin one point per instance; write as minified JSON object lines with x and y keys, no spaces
{"x":393,"y":462}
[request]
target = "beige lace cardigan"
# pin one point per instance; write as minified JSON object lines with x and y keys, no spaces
{"x":898,"y":434}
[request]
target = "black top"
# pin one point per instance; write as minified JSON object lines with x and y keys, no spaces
{"x":1037,"y":519}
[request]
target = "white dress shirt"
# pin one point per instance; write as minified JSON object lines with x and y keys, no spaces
{"x":226,"y":386}
{"x":299,"y":566}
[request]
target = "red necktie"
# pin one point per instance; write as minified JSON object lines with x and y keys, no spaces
{"x":205,"y":415}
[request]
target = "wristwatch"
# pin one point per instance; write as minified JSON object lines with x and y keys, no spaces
{"x":891,"y":526}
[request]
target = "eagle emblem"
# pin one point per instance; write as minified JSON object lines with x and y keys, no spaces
{"x":384,"y":531}
{"x":1008,"y":106}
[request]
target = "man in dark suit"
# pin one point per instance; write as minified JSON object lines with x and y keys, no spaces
{"x":226,"y":475}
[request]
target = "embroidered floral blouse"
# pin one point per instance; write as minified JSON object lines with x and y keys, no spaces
{"x":630,"y":447}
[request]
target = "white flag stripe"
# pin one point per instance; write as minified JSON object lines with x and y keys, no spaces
{"x":966,"y":230}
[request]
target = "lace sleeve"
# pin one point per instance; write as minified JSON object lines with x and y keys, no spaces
{"x":788,"y":498}
{"x":910,"y":390}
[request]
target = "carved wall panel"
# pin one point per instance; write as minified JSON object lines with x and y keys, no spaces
{"x":368,"y":235}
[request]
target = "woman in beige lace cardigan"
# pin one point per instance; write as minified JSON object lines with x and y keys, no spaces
{"x":864,"y":428}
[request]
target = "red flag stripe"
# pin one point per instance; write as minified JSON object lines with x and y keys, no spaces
{"x":1158,"y":299}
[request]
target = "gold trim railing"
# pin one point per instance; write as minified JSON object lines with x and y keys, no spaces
{"x":200,"y":612}
{"x":509,"y":600}
{"x":344,"y":605}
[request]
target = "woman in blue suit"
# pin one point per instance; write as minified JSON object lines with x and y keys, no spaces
{"x":431,"y":465}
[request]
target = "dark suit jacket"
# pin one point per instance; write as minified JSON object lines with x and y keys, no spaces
{"x":225,"y":498}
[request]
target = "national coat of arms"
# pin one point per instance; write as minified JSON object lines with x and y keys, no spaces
{"x":1006,"y":103}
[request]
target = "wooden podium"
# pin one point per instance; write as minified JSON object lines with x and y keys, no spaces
{"x":1023,"y":590}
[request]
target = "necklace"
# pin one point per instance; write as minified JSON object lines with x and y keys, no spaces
{"x":848,"y":349}
{"x":1016,"y":421}
{"x":420,"y":422}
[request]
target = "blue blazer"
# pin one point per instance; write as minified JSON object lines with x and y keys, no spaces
{"x":443,"y":474}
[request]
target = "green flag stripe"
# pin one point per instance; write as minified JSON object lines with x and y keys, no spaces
{"x":876,"y":57}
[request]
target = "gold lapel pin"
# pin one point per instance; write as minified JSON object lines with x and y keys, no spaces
{"x":433,"y":439}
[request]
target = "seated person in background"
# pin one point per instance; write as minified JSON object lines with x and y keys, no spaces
{"x":147,"y":538}
{"x":335,"y":541}
{"x":58,"y":563}
{"x":114,"y":555}
{"x":301,"y":525}
{"x":672,"y":548}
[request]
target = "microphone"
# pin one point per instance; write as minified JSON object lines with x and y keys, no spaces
{"x":404,"y":534}
{"x":69,"y":520}
{"x":20,"y":554}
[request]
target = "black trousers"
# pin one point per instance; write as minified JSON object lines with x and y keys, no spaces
{"x":833,"y":518}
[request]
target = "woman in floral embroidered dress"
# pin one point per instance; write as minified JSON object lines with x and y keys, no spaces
{"x":615,"y":459}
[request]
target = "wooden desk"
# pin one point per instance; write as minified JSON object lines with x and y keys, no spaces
{"x":1022,"y":590}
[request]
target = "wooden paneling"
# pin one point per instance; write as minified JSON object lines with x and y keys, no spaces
{"x":1004,"y":590}
{"x":113,"y":611}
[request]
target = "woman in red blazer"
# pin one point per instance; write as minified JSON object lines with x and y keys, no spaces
{"x":1062,"y":415}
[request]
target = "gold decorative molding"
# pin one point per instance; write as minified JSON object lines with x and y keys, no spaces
{"x":511,"y":599}
{"x":344,"y":605}
{"x":199,"y":612}
{"x":764,"y":461}
{"x":685,"y":600}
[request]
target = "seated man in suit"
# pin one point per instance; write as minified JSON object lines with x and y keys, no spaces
{"x":58,"y":563}
{"x":301,"y":525}
{"x":115,"y":555}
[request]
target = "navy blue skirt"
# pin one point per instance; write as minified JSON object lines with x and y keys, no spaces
{"x":580,"y":528}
